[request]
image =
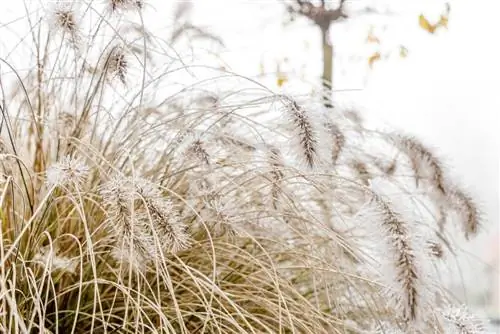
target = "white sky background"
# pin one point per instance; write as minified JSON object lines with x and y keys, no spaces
{"x":446,"y":91}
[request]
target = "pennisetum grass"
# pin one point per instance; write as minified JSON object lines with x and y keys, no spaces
{"x":134,"y":200}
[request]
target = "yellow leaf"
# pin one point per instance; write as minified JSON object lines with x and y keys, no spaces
{"x":425,"y":24}
{"x":371,"y":38}
{"x":281,"y":80}
{"x":403,"y":51}
{"x":373,"y":58}
{"x":443,"y":21}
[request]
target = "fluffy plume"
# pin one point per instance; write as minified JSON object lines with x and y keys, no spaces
{"x":403,"y":254}
{"x":63,"y":18}
{"x":423,"y":162}
{"x":406,"y":269}
{"x":134,"y":244}
{"x":218,"y":216}
{"x":67,"y":171}
{"x":304,"y":133}
{"x":467,"y":210}
{"x":163,"y":216}
{"x":125,"y":5}
{"x":117,"y":63}
{"x":197,"y":150}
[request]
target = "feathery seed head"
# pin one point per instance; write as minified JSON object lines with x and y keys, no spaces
{"x":66,"y":19}
{"x":424,"y":163}
{"x":198,"y":150}
{"x":219,"y":216}
{"x":134,"y":244}
{"x":117,"y":63}
{"x":399,"y":259}
{"x":305,"y":134}
{"x":125,"y":4}
{"x":467,"y":210}
{"x":63,"y":18}
{"x":163,"y":218}
{"x":135,"y":249}
{"x":67,"y":171}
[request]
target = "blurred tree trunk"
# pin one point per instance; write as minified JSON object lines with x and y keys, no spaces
{"x":327,"y":77}
{"x":323,"y":17}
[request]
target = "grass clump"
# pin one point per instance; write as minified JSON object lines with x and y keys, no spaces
{"x":133,"y":203}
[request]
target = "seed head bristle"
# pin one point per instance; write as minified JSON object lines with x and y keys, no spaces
{"x":198,"y":150}
{"x":467,"y":209}
{"x":134,"y":244}
{"x":339,"y":141}
{"x":219,"y":217}
{"x":117,"y":65}
{"x":436,"y":249}
{"x":64,"y":18}
{"x":276,"y":163}
{"x":399,"y":239}
{"x":164,"y":217}
{"x":67,"y":171}
{"x":422,"y":160}
{"x":305,"y":132}
{"x":228,"y":140}
{"x":116,"y":5}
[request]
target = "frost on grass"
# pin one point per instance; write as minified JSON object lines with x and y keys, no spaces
{"x":178,"y":167}
{"x":458,"y":319}
{"x":399,"y":248}
{"x":68,"y":171}
{"x":49,"y":258}
{"x":162,"y":217}
{"x":63,"y":18}
{"x":146,"y":223}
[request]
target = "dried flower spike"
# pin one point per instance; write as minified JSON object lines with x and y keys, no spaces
{"x":134,"y":244}
{"x":64,"y":19}
{"x":125,"y":4}
{"x":467,"y":210}
{"x":403,"y":263}
{"x":161,"y":215}
{"x":424,"y":163}
{"x":117,"y":63}
{"x":68,"y":171}
{"x":198,"y":150}
{"x":305,"y":132}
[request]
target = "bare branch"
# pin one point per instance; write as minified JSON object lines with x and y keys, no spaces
{"x":319,"y":14}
